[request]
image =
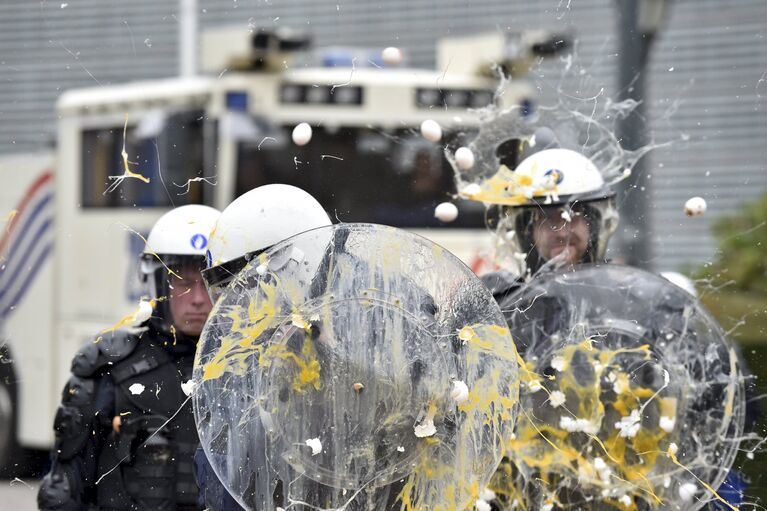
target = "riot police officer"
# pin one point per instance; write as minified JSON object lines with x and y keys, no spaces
{"x":564,"y":218}
{"x":251,"y":224}
{"x":125,"y":433}
{"x":567,"y":219}
{"x":379,"y":305}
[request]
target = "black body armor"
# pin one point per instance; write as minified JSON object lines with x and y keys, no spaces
{"x":148,"y":464}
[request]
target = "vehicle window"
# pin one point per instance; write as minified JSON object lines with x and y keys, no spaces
{"x":172,"y":159}
{"x":359,"y":174}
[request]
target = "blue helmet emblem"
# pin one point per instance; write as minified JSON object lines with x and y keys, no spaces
{"x":199,"y":241}
{"x":555,"y":175}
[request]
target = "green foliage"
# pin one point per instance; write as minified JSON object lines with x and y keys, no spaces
{"x":741,"y":308}
{"x":742,"y":250}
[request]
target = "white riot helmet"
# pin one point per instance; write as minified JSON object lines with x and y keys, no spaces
{"x":254,"y":222}
{"x":178,"y":238}
{"x":562,"y":174}
{"x":681,"y":281}
{"x":559,"y":184}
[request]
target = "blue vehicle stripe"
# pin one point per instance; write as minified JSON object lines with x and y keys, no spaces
{"x":21,"y":232}
{"x":28,"y":280}
{"x":12,"y":268}
{"x":27,"y":221}
{"x":44,"y":202}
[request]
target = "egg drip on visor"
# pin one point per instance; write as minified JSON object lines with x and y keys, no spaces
{"x":516,"y":234}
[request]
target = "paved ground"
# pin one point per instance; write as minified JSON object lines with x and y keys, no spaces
{"x":18,"y":494}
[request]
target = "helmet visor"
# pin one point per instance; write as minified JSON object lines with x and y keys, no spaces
{"x":218,"y":277}
{"x":531,"y":237}
{"x":159,"y":274}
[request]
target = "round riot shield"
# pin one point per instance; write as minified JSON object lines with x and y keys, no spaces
{"x":355,"y":367}
{"x":631,"y":396}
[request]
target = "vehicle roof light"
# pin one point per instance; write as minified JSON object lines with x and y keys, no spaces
{"x":527,"y":107}
{"x":237,"y":101}
{"x":338,"y":59}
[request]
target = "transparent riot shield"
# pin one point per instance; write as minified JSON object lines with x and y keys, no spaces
{"x":355,"y":367}
{"x":632,"y":397}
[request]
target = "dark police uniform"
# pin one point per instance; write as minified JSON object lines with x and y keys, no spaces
{"x":148,"y":464}
{"x":504,"y":287}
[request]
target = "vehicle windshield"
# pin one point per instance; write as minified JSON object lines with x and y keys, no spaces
{"x":165,"y":148}
{"x":391,"y":177}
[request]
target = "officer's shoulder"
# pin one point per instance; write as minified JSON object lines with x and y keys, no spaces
{"x":106,"y":349}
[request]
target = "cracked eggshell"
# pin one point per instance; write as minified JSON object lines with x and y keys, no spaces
{"x":481,"y":505}
{"x":315,"y":444}
{"x":629,"y":425}
{"x":136,"y":389}
{"x":425,"y":429}
{"x":687,"y":491}
{"x":599,"y":464}
{"x":143,"y":313}
{"x":556,"y":398}
{"x":188,"y":387}
{"x":470,"y":190}
{"x":487,"y":495}
{"x":559,"y":363}
{"x":667,"y":423}
{"x":460,"y":392}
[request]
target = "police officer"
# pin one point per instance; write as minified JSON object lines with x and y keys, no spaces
{"x":125,"y":433}
{"x":250,"y":225}
{"x":370,"y":317}
{"x":568,"y":219}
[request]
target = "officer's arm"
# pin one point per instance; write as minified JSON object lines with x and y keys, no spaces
{"x":81,"y":425}
{"x":80,"y":430}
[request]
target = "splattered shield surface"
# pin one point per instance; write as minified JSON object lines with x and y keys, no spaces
{"x":359,"y":367}
{"x":632,"y":397}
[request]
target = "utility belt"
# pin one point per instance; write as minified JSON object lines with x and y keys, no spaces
{"x":156,"y":469}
